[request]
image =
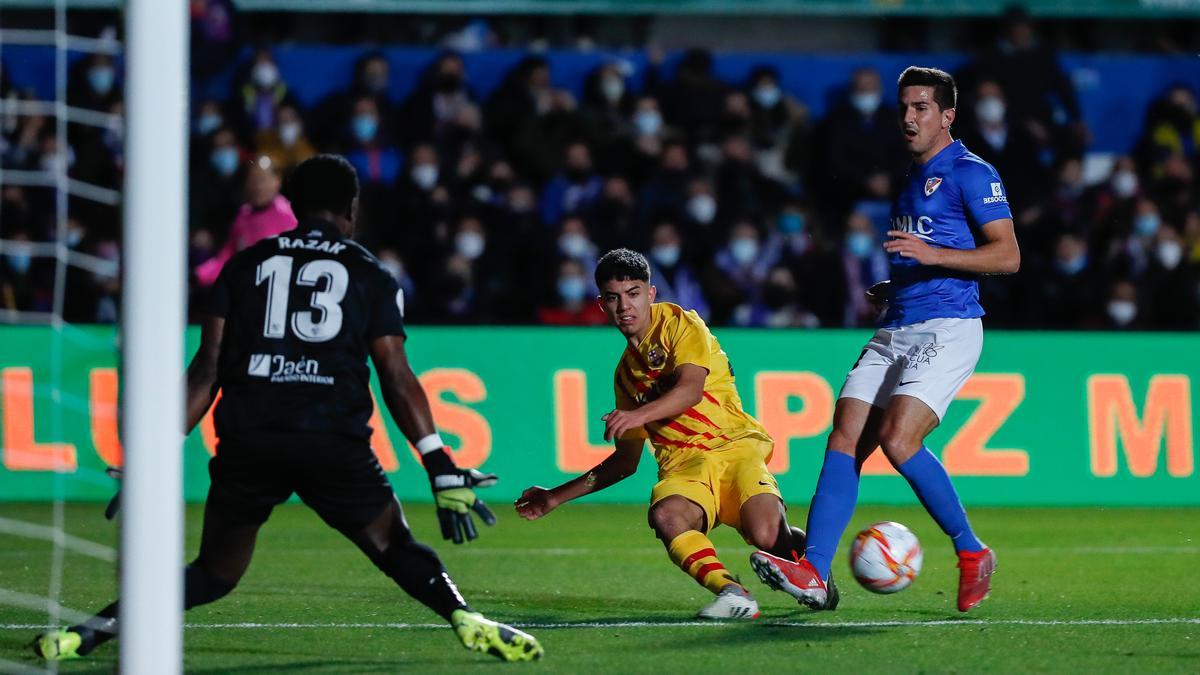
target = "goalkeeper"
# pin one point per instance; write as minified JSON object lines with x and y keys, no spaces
{"x":292,"y":322}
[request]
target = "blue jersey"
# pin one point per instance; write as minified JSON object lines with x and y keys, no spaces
{"x":944,"y":202}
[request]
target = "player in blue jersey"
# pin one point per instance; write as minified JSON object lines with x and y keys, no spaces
{"x":950,"y":224}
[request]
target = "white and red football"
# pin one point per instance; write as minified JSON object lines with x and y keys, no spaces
{"x":886,"y":557}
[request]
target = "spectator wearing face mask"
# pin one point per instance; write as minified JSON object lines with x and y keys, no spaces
{"x":741,"y":268}
{"x":575,"y":243}
{"x":741,"y":184}
{"x":605,"y":106}
{"x":864,"y":264}
{"x":261,"y":92}
{"x":531,"y":120}
{"x":371,"y":152}
{"x":1170,"y":283}
{"x":636,"y":147}
{"x":574,"y":302}
{"x":1065,"y":295}
{"x":1122,"y":311}
{"x":1011,"y":149}
{"x":857,"y":139}
{"x":210,"y":116}
{"x":473,"y":285}
{"x":1110,"y":204}
{"x":19,"y":275}
{"x":673,"y":274}
{"x":441,"y":103}
{"x":666,"y":193}
{"x":777,"y":121}
{"x":393,"y":264}
{"x":371,"y":79}
{"x":216,"y":184}
{"x":1133,"y":253}
{"x":286,"y":143}
{"x":574,"y":189}
{"x":92,"y":83}
{"x":266,"y":213}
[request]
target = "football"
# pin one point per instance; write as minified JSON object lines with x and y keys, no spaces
{"x":886,"y":557}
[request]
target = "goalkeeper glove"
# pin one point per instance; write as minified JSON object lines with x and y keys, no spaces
{"x":114,"y":504}
{"x":454,"y":494}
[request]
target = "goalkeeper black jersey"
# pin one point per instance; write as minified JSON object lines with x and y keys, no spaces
{"x":300,"y":311}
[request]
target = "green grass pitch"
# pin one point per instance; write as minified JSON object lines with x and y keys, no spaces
{"x":1077,"y":590}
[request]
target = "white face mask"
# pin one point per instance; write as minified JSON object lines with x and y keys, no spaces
{"x":265,"y":75}
{"x":990,"y":110}
{"x":666,"y":255}
{"x":612,"y":89}
{"x":702,"y":208}
{"x":469,"y":244}
{"x":648,"y":122}
{"x":1124,"y":184}
{"x":744,"y":250}
{"x":1122,"y":312}
{"x":289,"y":133}
{"x":1170,"y":254}
{"x":865,"y":102}
{"x":425,"y":176}
{"x":573,"y":245}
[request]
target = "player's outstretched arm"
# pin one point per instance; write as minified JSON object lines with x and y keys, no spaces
{"x":453,"y":488}
{"x":999,"y":254}
{"x":687,"y":392}
{"x":537,"y":501}
{"x":202,"y":372}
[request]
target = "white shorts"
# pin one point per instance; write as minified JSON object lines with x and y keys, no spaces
{"x":930,"y":361}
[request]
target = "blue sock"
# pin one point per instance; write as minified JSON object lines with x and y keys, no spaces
{"x":930,"y":481}
{"x":831,"y":508}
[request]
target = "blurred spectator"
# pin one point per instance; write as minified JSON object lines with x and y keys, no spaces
{"x":1066,"y":294}
{"x":1172,"y":128}
{"x":574,"y":243}
{"x":1171,"y":283}
{"x":210,"y":116}
{"x":215,"y":194}
{"x":1109,"y":206}
{"x":859,"y":139}
{"x":671,"y":272}
{"x":92,"y":83}
{"x":1012,"y":150}
{"x":286,"y":143}
{"x":574,"y":299}
{"x":18,"y":283}
{"x":694,"y":100}
{"x":260,"y":94}
{"x":666,"y":193}
{"x":371,"y":80}
{"x":266,"y":213}
{"x":1041,"y":98}
{"x":865,"y":264}
{"x":741,"y":186}
{"x":606,"y":105}
{"x":440,"y":100}
{"x":780,"y":307}
{"x":530,"y":120}
{"x":743,"y":269}
{"x":573,"y":190}
{"x":1121,"y":310}
{"x":213,"y":34}
{"x":777,"y":123}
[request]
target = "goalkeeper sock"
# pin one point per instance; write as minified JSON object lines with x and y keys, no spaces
{"x":930,"y":481}
{"x":831,"y":509}
{"x":694,"y":553}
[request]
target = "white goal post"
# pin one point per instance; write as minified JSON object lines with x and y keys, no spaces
{"x":152,"y":339}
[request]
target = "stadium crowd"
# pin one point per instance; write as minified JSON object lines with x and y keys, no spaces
{"x":494,"y":210}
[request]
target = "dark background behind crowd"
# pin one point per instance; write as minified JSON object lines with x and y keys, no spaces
{"x":754,"y":212}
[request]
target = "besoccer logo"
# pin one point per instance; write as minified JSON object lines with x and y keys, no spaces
{"x":997,"y":195}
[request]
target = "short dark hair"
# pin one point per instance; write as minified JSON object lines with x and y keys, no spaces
{"x":622,"y":265}
{"x":322,"y":183}
{"x":945,"y":92}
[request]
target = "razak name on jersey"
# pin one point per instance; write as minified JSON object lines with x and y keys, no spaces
{"x":311,"y":244}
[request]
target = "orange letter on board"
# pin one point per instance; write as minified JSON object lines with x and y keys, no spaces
{"x":21,"y":451}
{"x":471,"y":428}
{"x":1111,"y":412}
{"x":772,"y":391}
{"x":573,"y":451}
{"x":966,"y":453}
{"x":102,"y":406}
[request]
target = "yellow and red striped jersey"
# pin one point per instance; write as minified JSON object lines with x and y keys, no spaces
{"x":676,"y":337}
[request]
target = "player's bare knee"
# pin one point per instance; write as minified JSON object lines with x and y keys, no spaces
{"x":762,"y":534}
{"x":841,"y":441}
{"x":669,"y":519}
{"x":897,"y":446}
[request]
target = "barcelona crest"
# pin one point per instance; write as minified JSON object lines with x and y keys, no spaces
{"x":656,"y":357}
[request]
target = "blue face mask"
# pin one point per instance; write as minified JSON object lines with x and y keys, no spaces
{"x":19,"y":262}
{"x":1146,"y":224}
{"x":767,"y":95}
{"x":666,"y":255}
{"x":744,"y":250}
{"x":225,"y":160}
{"x":207,"y":124}
{"x":364,"y":128}
{"x":572,"y":289}
{"x":101,"y":79}
{"x":791,"y":223}
{"x":859,"y":244}
{"x":1073,"y":266}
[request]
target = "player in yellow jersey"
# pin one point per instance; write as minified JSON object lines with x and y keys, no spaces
{"x":674,"y":386}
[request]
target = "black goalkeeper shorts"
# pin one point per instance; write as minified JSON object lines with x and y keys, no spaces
{"x":336,"y":476}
